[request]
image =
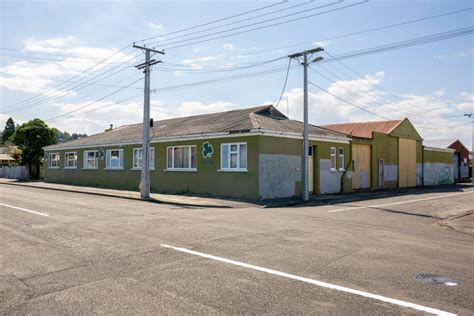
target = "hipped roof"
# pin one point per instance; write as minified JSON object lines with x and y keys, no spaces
{"x":263,"y":118}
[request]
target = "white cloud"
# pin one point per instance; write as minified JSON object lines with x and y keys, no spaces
{"x":322,"y":44}
{"x":199,"y":62}
{"x":229,"y":46}
{"x":439,"y":93}
{"x":422,"y":110}
{"x":195,"y":107}
{"x":157,"y":27}
{"x":32,"y":77}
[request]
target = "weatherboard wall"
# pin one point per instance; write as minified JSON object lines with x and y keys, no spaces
{"x":206,"y":180}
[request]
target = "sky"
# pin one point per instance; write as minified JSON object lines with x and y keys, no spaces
{"x":70,"y":63}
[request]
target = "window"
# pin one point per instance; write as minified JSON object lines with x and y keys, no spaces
{"x":114,"y":159}
{"x":70,"y":160}
{"x":53,"y":161}
{"x":137,"y":158}
{"x":234,"y":156}
{"x":333,"y":158}
{"x":181,"y":158}
{"x":91,"y":159}
{"x":341,"y":159}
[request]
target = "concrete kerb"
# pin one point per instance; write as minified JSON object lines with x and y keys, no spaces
{"x":151,"y":200}
{"x":360,"y":196}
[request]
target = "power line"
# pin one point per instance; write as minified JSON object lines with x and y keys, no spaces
{"x":48,"y":54}
{"x":215,"y":21}
{"x":73,"y":77}
{"x":89,"y":104}
{"x":284,"y":85}
{"x":249,"y":19}
{"x":348,"y":102}
{"x":58,"y":80}
{"x":374,"y":84}
{"x":370,"y":101}
{"x":361,"y":32}
{"x":408,"y":43}
{"x":259,"y":28}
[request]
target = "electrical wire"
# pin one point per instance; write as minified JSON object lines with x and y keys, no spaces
{"x":249,"y":19}
{"x":258,"y":28}
{"x":72,"y":78}
{"x":215,"y":21}
{"x":361,"y":32}
{"x":284,"y":85}
{"x":94,"y":102}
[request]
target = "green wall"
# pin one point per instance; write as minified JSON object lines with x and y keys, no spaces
{"x":206,"y":181}
{"x":433,"y":156}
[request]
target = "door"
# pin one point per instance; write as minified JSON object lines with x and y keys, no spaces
{"x":456,"y":162}
{"x":361,"y":166}
{"x":406,"y":162}
{"x":381,"y":173}
{"x":310,"y":170}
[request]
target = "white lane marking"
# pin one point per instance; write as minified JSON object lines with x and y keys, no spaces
{"x":397,"y":203}
{"x":316,"y":282}
{"x":24,"y":209}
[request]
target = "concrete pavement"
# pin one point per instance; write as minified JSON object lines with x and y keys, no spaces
{"x":95,"y":254}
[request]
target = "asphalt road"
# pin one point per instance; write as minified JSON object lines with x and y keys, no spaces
{"x":71,"y":253}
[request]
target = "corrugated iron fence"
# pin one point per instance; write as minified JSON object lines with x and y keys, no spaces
{"x":14,"y":172}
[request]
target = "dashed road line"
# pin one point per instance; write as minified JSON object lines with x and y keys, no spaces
{"x":24,"y":209}
{"x":315,"y":282}
{"x":397,"y":203}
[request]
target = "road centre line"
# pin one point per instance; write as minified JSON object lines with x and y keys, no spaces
{"x":24,"y":209}
{"x":397,"y":203}
{"x":315,"y":282}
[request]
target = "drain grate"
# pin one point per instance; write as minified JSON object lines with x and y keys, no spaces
{"x":435,"y":279}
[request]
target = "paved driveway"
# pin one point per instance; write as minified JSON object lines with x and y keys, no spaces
{"x":64,"y":253}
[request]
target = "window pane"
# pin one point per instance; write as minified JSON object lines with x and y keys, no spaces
{"x":169,"y":163}
{"x":243,"y":156}
{"x":186,"y":161}
{"x":193,"y":157}
{"x":178,"y":157}
{"x":225,"y":157}
{"x":152,"y":158}
{"x":233,"y":160}
{"x":233,"y":148}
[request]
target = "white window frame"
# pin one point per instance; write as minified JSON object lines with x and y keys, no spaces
{"x":85,"y":164}
{"x":107,"y":162}
{"x":136,"y":166}
{"x":229,"y":168}
{"x":66,"y":159}
{"x":172,"y":167}
{"x":51,"y":160}
{"x":333,"y":153}
{"x":341,"y":158}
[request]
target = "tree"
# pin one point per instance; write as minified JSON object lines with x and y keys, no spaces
{"x":30,"y":138}
{"x":8,"y":130}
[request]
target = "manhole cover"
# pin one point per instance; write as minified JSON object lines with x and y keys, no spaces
{"x":435,"y":279}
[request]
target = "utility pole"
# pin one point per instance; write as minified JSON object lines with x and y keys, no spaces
{"x":305,"y":63}
{"x":471,"y":116}
{"x":145,"y":172}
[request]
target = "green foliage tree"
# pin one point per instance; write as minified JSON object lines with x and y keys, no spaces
{"x":30,"y":138}
{"x":8,"y":130}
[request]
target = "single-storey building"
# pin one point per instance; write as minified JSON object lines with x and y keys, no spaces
{"x":253,"y":153}
{"x":438,"y":166}
{"x":384,"y":154}
{"x":461,"y":155}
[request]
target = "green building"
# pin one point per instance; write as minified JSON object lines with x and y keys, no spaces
{"x":390,"y":154}
{"x":253,"y":153}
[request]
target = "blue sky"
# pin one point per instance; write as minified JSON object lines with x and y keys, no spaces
{"x":432,"y":76}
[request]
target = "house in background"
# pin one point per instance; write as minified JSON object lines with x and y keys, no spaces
{"x":461,"y":155}
{"x":5,"y":158}
{"x":253,"y":153}
{"x":385,"y":154}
